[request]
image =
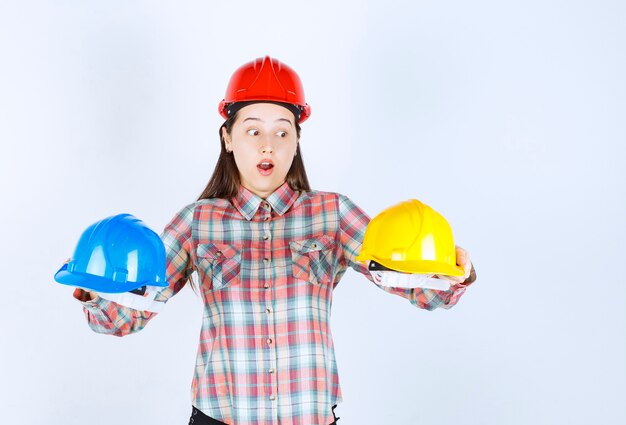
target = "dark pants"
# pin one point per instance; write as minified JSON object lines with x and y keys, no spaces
{"x":199,"y":418}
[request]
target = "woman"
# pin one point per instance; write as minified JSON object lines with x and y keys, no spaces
{"x":268,"y":251}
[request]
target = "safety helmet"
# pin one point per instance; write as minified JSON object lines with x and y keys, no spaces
{"x":411,"y":237}
{"x":114,"y":255}
{"x":265,"y":79}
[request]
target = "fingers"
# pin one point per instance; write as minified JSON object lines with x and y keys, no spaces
{"x":82,"y":295}
{"x":79,"y":294}
{"x":463,"y":260}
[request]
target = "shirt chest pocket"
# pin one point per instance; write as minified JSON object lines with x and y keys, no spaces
{"x":313,"y":259}
{"x":219,"y":264}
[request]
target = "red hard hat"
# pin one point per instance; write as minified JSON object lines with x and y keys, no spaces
{"x":265,"y":79}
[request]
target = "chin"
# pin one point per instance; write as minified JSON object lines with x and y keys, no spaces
{"x":267,"y":185}
{"x":262,"y":186}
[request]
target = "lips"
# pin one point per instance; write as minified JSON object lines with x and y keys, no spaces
{"x":265,"y":167}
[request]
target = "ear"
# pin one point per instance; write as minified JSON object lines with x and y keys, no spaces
{"x":226,"y":138}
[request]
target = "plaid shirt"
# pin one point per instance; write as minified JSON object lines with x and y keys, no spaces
{"x":267,"y":270}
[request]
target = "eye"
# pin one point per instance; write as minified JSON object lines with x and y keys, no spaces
{"x":282,"y":134}
{"x":253,"y":132}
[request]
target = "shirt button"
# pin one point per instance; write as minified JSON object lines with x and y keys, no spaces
{"x":268,"y":310}
{"x":267,"y":285}
{"x":266,"y":205}
{"x":266,"y":218}
{"x":272,"y":397}
{"x":266,"y":260}
{"x":266,"y":237}
{"x":269,"y":340}
{"x":271,"y":371}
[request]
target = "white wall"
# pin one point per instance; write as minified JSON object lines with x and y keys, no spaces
{"x":505,"y":116}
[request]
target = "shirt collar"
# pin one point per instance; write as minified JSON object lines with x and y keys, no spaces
{"x":247,"y":203}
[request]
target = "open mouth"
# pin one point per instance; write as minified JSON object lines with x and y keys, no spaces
{"x":265,"y":167}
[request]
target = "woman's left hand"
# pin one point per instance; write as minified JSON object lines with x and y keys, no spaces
{"x":463,"y":260}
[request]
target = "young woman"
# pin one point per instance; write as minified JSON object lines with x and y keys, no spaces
{"x":268,"y":251}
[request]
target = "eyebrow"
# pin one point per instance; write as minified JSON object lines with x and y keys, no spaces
{"x":258,"y":119}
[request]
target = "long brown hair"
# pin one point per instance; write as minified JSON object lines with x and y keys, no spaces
{"x":224,"y":182}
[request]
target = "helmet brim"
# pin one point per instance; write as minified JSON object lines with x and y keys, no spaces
{"x":305,"y":110}
{"x":422,"y":266}
{"x":98,"y":283}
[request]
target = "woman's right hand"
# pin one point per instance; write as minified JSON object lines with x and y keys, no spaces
{"x":80,"y":294}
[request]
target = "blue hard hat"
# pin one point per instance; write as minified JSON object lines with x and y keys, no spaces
{"x":115,"y":255}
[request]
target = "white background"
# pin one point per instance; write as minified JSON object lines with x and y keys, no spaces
{"x":508,"y":117}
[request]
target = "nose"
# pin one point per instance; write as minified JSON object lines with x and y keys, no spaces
{"x":266,"y":147}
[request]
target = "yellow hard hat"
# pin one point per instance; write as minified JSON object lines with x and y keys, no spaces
{"x":411,"y":237}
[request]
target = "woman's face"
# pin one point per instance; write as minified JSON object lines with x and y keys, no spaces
{"x":263,"y":140}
